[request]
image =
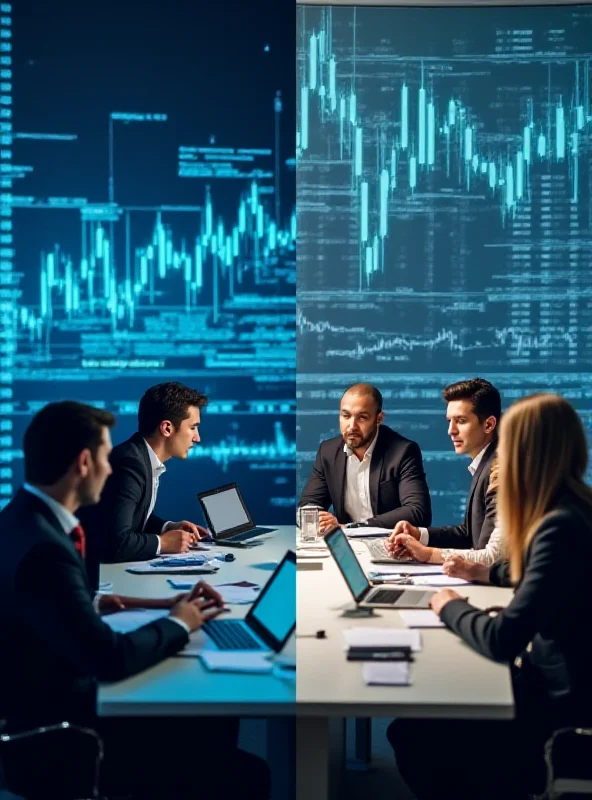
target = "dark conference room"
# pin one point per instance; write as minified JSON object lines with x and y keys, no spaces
{"x":295,"y":493}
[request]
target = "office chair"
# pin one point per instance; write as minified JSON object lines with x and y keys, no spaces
{"x":59,"y":761}
{"x":568,"y":758}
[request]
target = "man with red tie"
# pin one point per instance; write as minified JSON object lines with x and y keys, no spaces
{"x":56,"y":647}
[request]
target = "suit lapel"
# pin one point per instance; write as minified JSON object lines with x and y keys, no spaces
{"x":340,"y":477}
{"x":487,"y":456}
{"x":376,"y":469}
{"x":140,"y":444}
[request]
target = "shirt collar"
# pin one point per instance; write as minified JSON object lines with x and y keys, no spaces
{"x":369,"y":451}
{"x":66,"y":519}
{"x":157,"y":466}
{"x":474,"y":465}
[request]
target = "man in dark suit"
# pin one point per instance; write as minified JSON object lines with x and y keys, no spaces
{"x":473,"y":413}
{"x":123,"y":525}
{"x":370,"y":473}
{"x":59,"y":645}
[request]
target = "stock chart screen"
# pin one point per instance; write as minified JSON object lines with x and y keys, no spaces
{"x":443,"y":214}
{"x":148,"y":229}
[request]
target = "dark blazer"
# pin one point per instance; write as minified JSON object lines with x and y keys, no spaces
{"x":55,"y":647}
{"x":551,"y":610}
{"x":398,"y":488}
{"x":116,"y":528}
{"x":479,"y":522}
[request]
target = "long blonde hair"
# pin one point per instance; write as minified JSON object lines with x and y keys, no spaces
{"x":542,"y":453}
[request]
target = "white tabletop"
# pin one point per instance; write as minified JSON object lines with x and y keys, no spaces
{"x":448,"y":678}
{"x":180,"y":685}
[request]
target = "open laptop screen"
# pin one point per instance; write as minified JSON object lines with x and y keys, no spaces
{"x":346,"y":559}
{"x":274,"y":614}
{"x":224,"y":510}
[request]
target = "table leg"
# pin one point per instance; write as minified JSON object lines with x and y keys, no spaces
{"x":320,"y":745}
{"x":281,"y":756}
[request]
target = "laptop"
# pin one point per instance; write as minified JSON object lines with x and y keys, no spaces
{"x":271,"y":619}
{"x":366,"y":595}
{"x":228,"y":517}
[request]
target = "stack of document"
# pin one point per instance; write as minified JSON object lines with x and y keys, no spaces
{"x":385,"y":653}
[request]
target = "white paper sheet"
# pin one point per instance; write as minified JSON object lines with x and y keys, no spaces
{"x":418,"y":618}
{"x":386,"y":673}
{"x":406,"y":569}
{"x":235,"y":661}
{"x":438,"y":580}
{"x":359,"y":533}
{"x":126,"y":621}
{"x":238,"y":595}
{"x":382,"y":637}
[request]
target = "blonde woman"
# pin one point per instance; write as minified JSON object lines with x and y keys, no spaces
{"x":545,"y":511}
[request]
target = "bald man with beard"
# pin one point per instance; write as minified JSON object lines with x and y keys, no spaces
{"x":369,"y":473}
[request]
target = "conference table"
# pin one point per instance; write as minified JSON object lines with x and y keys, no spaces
{"x":181,"y":686}
{"x":448,"y":679}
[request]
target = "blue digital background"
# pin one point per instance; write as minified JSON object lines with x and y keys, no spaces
{"x":444,"y":217}
{"x":148,"y":227}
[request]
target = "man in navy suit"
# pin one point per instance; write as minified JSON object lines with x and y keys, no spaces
{"x":56,"y":646}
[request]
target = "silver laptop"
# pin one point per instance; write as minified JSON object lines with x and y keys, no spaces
{"x":363,"y":592}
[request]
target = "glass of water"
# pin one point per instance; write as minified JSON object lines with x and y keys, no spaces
{"x":309,"y":524}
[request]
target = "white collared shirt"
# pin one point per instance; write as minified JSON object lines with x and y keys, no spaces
{"x":424,"y":535}
{"x":357,"y":483}
{"x":158,"y":468}
{"x":473,"y":466}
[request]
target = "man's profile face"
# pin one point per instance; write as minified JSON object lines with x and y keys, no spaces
{"x":358,"y":419}
{"x":186,"y":435}
{"x":99,"y":470}
{"x":468,"y":435}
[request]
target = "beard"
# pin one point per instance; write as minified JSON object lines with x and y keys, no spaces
{"x":359,"y":441}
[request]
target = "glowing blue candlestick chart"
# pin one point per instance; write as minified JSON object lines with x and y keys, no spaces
{"x":443,"y":167}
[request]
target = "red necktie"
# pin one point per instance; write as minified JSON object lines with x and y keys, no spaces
{"x":79,"y":540}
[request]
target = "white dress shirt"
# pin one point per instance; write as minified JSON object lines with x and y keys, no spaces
{"x":357,"y":484}
{"x":68,"y":522}
{"x":424,"y":536}
{"x":491,"y":553}
{"x":157,"y":470}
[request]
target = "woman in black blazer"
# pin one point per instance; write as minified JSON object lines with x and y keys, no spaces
{"x":545,"y":511}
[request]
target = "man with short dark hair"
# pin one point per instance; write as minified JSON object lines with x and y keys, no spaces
{"x":369,"y":473}
{"x":123,"y":526}
{"x":56,"y":647}
{"x":473,"y":412}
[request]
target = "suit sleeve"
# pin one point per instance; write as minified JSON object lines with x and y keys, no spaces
{"x":121,"y":497}
{"x":499,"y":574}
{"x":54,"y":603}
{"x":490,"y":518}
{"x":154,"y":524}
{"x":505,"y":636}
{"x":316,"y":491}
{"x":413,"y":491}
